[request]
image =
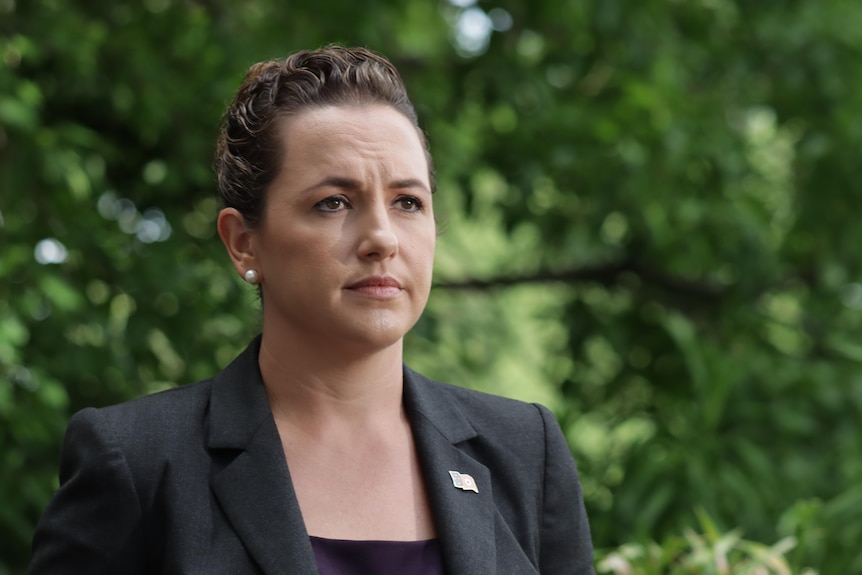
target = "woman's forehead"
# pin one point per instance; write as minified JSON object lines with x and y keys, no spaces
{"x":349,"y":136}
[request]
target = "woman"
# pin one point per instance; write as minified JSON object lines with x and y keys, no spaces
{"x":316,"y":450}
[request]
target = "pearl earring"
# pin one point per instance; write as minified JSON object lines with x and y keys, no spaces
{"x":251,"y":276}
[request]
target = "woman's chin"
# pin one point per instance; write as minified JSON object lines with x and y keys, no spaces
{"x":378,"y":335}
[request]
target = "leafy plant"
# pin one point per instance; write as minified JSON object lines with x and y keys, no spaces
{"x":709,"y":552}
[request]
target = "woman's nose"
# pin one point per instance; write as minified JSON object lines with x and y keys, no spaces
{"x":378,"y":240}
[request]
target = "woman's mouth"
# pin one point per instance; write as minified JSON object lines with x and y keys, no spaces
{"x":382,"y":287}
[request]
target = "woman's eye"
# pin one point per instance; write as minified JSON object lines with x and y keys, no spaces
{"x":409,"y":204}
{"x":332,"y":204}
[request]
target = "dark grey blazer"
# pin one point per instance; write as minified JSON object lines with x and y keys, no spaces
{"x":194,"y":480}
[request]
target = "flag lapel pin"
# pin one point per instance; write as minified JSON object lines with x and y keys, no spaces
{"x":463,"y":481}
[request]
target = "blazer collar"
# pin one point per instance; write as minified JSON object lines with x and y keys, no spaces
{"x":251,"y":480}
{"x":252,"y":483}
{"x":464,"y":519}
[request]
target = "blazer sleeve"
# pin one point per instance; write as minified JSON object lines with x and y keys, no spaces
{"x":565,"y":544}
{"x":93,"y":523}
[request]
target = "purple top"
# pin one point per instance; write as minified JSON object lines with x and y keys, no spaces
{"x":344,"y":557}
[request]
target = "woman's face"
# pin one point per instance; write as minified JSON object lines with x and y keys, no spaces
{"x":346,"y":244}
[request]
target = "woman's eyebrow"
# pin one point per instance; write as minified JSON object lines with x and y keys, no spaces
{"x":339,"y":182}
{"x":344,"y":183}
{"x":408,"y":184}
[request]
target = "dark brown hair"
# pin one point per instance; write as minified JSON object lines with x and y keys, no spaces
{"x":249,"y":154}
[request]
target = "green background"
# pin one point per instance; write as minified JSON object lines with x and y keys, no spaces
{"x":649,"y":222}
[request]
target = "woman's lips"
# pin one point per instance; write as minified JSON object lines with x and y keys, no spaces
{"x":383,"y":287}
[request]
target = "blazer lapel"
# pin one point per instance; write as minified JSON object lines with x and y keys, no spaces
{"x":251,"y":481}
{"x":464,"y":519}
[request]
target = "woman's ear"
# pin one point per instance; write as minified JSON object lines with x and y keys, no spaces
{"x":238,"y":238}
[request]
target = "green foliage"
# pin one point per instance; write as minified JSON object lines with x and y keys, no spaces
{"x":707,"y":553}
{"x":647,"y":223}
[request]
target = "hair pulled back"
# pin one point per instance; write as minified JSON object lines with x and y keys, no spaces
{"x":249,"y":153}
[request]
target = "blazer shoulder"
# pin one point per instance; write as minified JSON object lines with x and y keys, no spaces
{"x":173,"y":401}
{"x":452,"y":407}
{"x":483,"y":402}
{"x":156,"y":419}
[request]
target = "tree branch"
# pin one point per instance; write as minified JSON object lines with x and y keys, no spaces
{"x":605,"y":274}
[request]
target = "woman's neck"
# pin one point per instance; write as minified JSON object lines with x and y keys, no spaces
{"x":316,"y":386}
